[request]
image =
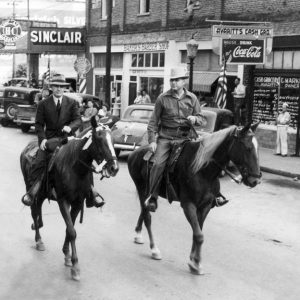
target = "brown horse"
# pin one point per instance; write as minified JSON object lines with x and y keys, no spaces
{"x":71,"y":178}
{"x":195,"y":180}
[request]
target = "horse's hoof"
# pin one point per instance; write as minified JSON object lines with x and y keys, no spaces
{"x":138,"y":239}
{"x":75,"y":273}
{"x":68,"y":261}
{"x":155,"y":254}
{"x":195,"y":268}
{"x":40,"y":246}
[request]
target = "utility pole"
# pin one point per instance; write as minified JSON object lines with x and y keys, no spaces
{"x":108,"y":52}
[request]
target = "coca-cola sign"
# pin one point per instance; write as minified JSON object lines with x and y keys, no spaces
{"x":243,"y":51}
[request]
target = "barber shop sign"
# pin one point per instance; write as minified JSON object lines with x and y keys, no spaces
{"x":243,"y":51}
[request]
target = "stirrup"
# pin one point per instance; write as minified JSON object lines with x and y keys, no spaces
{"x":96,"y":202}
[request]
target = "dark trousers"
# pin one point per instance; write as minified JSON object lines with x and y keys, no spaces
{"x":39,"y":166}
{"x":238,"y":102}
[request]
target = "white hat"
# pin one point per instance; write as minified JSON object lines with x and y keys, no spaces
{"x":179,"y":72}
{"x":284,"y":104}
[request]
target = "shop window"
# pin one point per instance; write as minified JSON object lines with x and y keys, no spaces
{"x":288,"y":59}
{"x":141,"y":60}
{"x":116,"y":60}
{"x":147,"y":59}
{"x":134,"y":60}
{"x":144,"y":7}
{"x":155,"y":60}
{"x":119,"y":77}
{"x":162,"y":59}
{"x":153,"y":86}
{"x":296,"y":64}
{"x":133,"y":78}
{"x":278,"y":59}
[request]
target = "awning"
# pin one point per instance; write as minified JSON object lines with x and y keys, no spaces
{"x":202,"y":81}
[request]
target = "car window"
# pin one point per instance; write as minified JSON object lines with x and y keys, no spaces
{"x":140,"y":114}
{"x":1,"y":93}
{"x":13,"y":94}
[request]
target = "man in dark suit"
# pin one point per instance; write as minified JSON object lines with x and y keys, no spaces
{"x":57,"y":117}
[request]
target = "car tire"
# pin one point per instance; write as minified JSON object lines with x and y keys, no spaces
{"x":117,"y":151}
{"x":10,"y":111}
{"x":25,"y":127}
{"x":4,"y":122}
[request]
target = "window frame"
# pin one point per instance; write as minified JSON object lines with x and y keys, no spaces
{"x":143,"y":7}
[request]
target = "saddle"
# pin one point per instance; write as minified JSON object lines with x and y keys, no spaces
{"x":177,"y":148}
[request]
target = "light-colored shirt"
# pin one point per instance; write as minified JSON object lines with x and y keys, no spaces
{"x":56,"y":100}
{"x":284,"y":118}
{"x":240,"y":91}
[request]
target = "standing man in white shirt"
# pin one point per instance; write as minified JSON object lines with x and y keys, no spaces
{"x":239,"y":94}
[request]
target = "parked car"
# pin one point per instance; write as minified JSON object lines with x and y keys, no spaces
{"x":25,"y":114}
{"x":130,"y":132}
{"x":10,"y":97}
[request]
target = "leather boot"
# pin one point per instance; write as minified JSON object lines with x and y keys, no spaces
{"x":98,"y":200}
{"x":151,"y":203}
{"x":31,"y":195}
{"x":220,"y":200}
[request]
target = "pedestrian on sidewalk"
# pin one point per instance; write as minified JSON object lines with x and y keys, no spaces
{"x":282,"y":121}
{"x":239,"y":99}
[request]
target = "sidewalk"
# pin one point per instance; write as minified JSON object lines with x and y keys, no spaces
{"x":285,"y":166}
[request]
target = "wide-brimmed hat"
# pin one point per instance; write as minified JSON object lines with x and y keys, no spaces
{"x":58,"y":79}
{"x":284,"y":104}
{"x":179,"y":72}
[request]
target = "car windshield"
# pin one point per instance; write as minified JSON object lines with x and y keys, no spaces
{"x":138,"y":114}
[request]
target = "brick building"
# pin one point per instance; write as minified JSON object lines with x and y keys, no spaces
{"x":149,"y":37}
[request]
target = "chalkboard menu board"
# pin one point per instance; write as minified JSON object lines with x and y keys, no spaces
{"x":270,"y":92}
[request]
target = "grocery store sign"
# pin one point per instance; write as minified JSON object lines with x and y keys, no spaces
{"x":243,"y":51}
{"x":241,"y":31}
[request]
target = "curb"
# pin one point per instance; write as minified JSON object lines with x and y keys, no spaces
{"x":280,"y":172}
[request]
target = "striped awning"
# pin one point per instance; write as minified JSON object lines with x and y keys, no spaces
{"x":202,"y":81}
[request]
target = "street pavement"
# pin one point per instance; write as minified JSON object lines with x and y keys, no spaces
{"x":251,"y":247}
{"x":285,"y":166}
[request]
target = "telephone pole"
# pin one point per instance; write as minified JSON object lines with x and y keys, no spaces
{"x":108,"y":53}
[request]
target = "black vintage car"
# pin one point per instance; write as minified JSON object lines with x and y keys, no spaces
{"x":11,"y":96}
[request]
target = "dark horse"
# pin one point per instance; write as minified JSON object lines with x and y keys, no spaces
{"x":195,"y":180}
{"x":71,"y":173}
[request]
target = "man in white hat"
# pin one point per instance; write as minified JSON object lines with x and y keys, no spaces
{"x":173,"y":112}
{"x":282,"y":121}
{"x":57,"y":116}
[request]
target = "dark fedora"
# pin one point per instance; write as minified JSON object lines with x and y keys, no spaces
{"x":58,"y":79}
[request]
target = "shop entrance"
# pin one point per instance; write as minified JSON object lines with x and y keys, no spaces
{"x":153,"y":85}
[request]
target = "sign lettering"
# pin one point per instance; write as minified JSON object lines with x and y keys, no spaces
{"x":146,"y":47}
{"x":235,"y":31}
{"x":243,"y":51}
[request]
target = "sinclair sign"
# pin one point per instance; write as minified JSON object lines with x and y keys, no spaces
{"x":56,"y":39}
{"x":243,"y":51}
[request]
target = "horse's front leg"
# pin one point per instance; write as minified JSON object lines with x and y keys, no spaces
{"x":36,"y":213}
{"x":190,"y":212}
{"x":64,"y":207}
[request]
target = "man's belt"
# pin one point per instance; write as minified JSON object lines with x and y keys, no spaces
{"x":176,"y":129}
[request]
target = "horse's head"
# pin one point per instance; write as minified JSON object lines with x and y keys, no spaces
{"x":244,"y":153}
{"x":101,"y":148}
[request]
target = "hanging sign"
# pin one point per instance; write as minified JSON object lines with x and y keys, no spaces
{"x":241,"y":31}
{"x":10,"y":31}
{"x":243,"y":51}
{"x":82,"y":65}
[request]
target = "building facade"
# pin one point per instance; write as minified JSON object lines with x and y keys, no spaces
{"x":149,"y":37}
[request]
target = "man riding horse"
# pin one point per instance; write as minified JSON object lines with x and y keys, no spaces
{"x":174,"y":113}
{"x":57,"y":117}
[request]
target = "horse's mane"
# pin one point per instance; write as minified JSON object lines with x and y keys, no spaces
{"x":69,"y":154}
{"x":208,"y":146}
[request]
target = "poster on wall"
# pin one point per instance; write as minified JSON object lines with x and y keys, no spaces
{"x":249,"y":52}
{"x":270,"y":91}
